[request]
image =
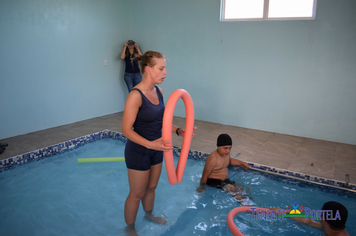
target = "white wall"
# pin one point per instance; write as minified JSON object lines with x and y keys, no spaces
{"x":291,"y":77}
{"x":52,"y":62}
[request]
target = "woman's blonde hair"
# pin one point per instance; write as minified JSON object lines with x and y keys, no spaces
{"x":147,"y":59}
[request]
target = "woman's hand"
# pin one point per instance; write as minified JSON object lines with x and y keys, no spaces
{"x":181,"y":132}
{"x":160,"y":145}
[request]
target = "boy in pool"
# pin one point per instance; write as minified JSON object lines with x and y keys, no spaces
{"x":216,"y":174}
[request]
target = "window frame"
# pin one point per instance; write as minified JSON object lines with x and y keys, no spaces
{"x":265,"y":14}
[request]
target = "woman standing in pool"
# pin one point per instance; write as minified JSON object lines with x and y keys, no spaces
{"x":142,"y":125}
{"x":130,"y":54}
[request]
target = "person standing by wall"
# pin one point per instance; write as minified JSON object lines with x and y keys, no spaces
{"x":131,"y":53}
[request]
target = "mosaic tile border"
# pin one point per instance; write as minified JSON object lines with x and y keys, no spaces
{"x":301,"y":176}
{"x":12,"y":162}
{"x":275,"y":173}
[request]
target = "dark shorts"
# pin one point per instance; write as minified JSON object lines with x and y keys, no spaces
{"x":138,"y":157}
{"x":217,"y":183}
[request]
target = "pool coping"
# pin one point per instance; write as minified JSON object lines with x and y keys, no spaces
{"x":12,"y":162}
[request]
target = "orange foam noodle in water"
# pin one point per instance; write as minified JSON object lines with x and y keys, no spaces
{"x":230,"y":218}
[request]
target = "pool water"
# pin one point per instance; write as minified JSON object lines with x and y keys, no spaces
{"x":58,"y":196}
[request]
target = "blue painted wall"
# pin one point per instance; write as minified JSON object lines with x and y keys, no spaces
{"x":291,"y":77}
{"x":52,"y":62}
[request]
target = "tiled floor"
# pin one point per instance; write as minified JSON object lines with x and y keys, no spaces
{"x":304,"y":155}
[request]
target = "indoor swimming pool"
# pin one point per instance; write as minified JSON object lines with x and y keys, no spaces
{"x":59,"y":196}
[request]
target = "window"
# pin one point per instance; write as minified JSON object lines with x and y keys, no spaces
{"x":242,"y":10}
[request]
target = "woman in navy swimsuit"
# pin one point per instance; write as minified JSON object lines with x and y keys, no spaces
{"x":142,"y":125}
{"x":130,"y":54}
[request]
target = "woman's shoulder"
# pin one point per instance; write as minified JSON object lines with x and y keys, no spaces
{"x":160,"y":90}
{"x":134,"y":97}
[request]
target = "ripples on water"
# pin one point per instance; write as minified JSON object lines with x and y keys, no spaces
{"x":58,"y":196}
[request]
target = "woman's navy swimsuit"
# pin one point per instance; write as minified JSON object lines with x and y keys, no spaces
{"x":148,"y":124}
{"x":131,"y":65}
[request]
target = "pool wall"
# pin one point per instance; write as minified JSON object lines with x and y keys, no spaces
{"x":277,"y":174}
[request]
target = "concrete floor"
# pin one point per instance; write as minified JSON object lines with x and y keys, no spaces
{"x":309,"y":156}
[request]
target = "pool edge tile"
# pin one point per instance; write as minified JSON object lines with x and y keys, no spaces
{"x":14,"y":161}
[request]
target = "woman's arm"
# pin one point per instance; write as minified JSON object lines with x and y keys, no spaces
{"x":138,"y":49}
{"x":122,"y":56}
{"x":177,"y":130}
{"x":132,"y":105}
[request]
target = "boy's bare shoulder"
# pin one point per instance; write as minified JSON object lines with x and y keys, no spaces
{"x":212,"y":156}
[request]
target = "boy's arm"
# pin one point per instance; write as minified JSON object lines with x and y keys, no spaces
{"x":235,"y":162}
{"x":208,"y":168}
{"x":314,"y":224}
{"x":309,"y":222}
